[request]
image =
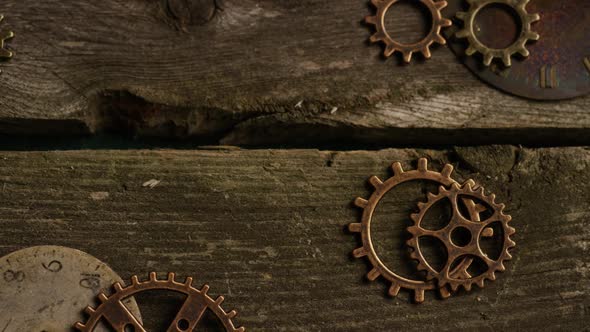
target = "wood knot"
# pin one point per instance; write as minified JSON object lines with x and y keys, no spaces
{"x":192,"y":12}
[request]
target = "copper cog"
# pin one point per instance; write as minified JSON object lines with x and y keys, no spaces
{"x":407,"y":50}
{"x":364,"y":228}
{"x":489,"y":54}
{"x":197,"y":301}
{"x":476,"y":229}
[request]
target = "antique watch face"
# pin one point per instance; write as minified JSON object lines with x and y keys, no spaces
{"x":558,"y":64}
{"x":46,"y":288}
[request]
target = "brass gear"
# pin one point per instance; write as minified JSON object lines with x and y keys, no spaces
{"x":4,"y":36}
{"x":489,"y":54}
{"x":407,"y":50}
{"x":364,"y":228}
{"x":476,"y":228}
{"x":116,"y":314}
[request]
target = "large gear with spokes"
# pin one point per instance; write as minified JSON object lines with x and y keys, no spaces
{"x":505,"y":54}
{"x":459,"y":252}
{"x":407,"y":50}
{"x":112,"y":310}
{"x":4,"y":36}
{"x":364,"y":228}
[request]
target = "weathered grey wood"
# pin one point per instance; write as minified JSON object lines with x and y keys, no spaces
{"x":259,"y":72}
{"x":267,"y":230}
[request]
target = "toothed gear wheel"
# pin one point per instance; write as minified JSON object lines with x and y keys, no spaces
{"x":505,"y":54}
{"x":4,"y":36}
{"x":112,"y":310}
{"x":407,"y":50}
{"x":476,"y":228}
{"x":364,"y":228}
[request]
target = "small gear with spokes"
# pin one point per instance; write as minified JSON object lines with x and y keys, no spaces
{"x":408,"y":49}
{"x":364,"y":228}
{"x":458,"y":252}
{"x":505,"y":54}
{"x":197,"y":301}
{"x":4,"y":36}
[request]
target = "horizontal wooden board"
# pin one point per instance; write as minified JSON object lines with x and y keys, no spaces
{"x":267,"y":229}
{"x":258,"y":72}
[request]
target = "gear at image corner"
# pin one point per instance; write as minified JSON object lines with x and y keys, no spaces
{"x":197,"y":301}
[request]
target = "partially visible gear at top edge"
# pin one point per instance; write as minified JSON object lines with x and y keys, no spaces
{"x":4,"y":36}
{"x":407,"y":50}
{"x":458,"y":252}
{"x":367,"y":249}
{"x":118,"y":316}
{"x":489,"y":54}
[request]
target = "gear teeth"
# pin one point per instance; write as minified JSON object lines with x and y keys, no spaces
{"x":134,"y":280}
{"x":480,"y":283}
{"x":440,"y":5}
{"x":426,"y":53}
{"x":240,"y":329}
{"x":359,"y":252}
{"x":118,"y":287}
{"x":205,"y":289}
{"x":407,"y":50}
{"x":489,"y":54}
{"x":377,"y":37}
{"x":419,"y":295}
{"x":447,"y":171}
{"x":79,"y":326}
{"x":373,"y":274}
{"x":397,"y":168}
{"x":371,"y":20}
{"x":407,"y":56}
{"x":355,"y":227}
{"x":102,"y":297}
{"x":444,"y":292}
{"x":232,"y":314}
{"x":101,"y":312}
{"x":413,"y":230}
{"x":421,"y":172}
{"x":423,"y":165}
{"x":389,"y":50}
{"x":376,"y":182}
{"x":461,"y":278}
{"x":394,"y":290}
{"x":361,"y":202}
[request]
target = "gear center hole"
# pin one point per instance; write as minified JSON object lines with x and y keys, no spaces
{"x":183,"y":324}
{"x":497,"y":26}
{"x":408,"y":21}
{"x":461,"y":236}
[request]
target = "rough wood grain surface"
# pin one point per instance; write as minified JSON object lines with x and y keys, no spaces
{"x":266,"y":228}
{"x":245,"y":72}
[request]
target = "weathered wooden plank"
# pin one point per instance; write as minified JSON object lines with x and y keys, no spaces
{"x":267,"y":230}
{"x":292,"y":66}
